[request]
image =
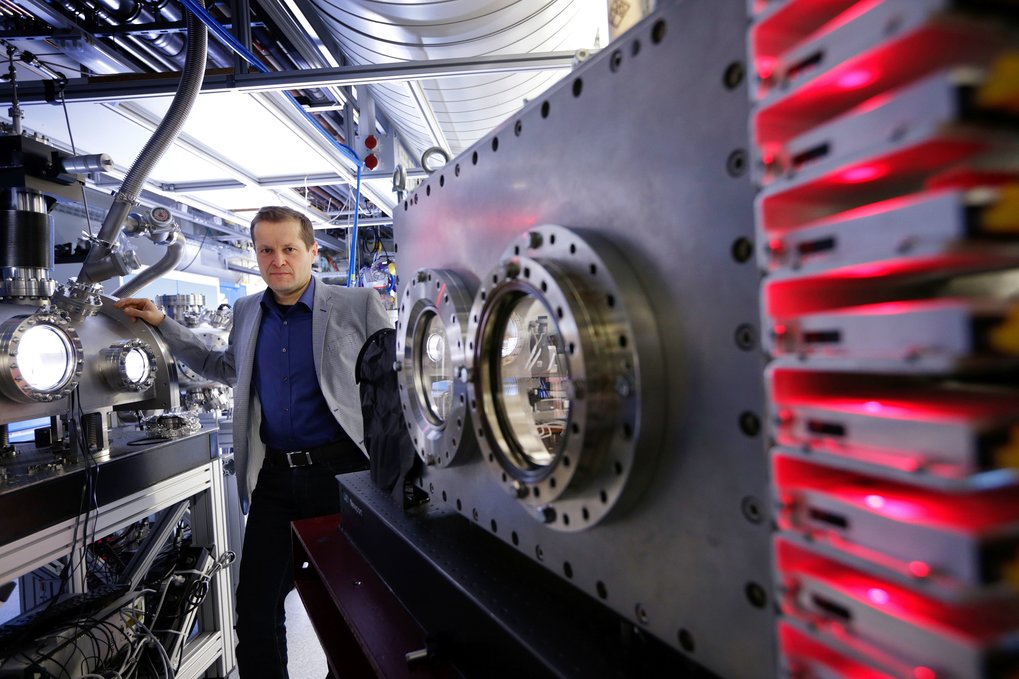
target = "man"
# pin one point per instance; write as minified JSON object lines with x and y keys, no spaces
{"x":297,"y":412}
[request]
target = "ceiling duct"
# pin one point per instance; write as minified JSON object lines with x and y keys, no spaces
{"x":453,"y":113}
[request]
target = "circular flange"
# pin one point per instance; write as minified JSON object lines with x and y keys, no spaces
{"x":430,"y":349}
{"x":121,"y":369}
{"x":559,"y":420}
{"x":15,"y":377}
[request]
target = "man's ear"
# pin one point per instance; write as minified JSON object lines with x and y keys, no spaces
{"x":314,"y":249}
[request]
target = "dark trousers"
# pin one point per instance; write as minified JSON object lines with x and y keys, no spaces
{"x":281,"y":495}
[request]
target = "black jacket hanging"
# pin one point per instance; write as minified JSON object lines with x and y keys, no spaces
{"x":393,"y":462}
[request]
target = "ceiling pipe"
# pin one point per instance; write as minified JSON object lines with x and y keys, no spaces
{"x":169,"y":128}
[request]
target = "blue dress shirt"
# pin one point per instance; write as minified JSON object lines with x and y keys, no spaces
{"x":295,"y":415}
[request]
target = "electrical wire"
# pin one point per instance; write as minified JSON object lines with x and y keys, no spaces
{"x":200,"y":246}
{"x":61,"y":84}
{"x":74,"y":150}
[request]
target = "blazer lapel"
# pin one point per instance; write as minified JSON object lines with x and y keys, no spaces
{"x":323,"y":308}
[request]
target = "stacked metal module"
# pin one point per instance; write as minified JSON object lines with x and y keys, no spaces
{"x":886,"y":144}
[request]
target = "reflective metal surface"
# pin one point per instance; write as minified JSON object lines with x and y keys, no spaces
{"x":566,"y":417}
{"x":41,"y":356}
{"x":102,"y":346}
{"x":686,"y":557}
{"x":431,"y":341}
{"x":130,"y":364}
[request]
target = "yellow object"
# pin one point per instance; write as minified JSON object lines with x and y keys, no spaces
{"x":1003,"y":216}
{"x":1007,"y":456}
{"x":1005,"y":336}
{"x":1001,"y":89}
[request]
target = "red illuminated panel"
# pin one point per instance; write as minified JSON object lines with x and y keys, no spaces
{"x":798,"y":296}
{"x":974,"y":622}
{"x":821,"y":660}
{"x":947,"y":432}
{"x":788,"y":25}
{"x":973,"y":512}
{"x":854,"y":81}
{"x":858,"y":184}
{"x":886,"y":398}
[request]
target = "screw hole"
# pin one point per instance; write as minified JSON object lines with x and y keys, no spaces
{"x":749,"y":423}
{"x":615,"y":61}
{"x":578,"y":87}
{"x":756,"y":595}
{"x":736,"y":163}
{"x":686,"y":640}
{"x":545,"y":107}
{"x":658,"y":31}
{"x":733,"y":75}
{"x":742,"y":249}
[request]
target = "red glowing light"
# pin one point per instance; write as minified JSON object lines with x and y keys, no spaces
{"x":924,"y":673}
{"x":919,"y":569}
{"x":872,"y":406}
{"x":863,"y":173}
{"x":874,"y":501}
{"x":765,"y":67}
{"x":776,"y":246}
{"x":858,"y":77}
{"x":878,"y":596}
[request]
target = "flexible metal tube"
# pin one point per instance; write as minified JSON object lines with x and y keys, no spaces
{"x":162,"y":138}
{"x":174,"y":253}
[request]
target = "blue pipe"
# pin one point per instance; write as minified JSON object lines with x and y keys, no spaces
{"x":352,"y":260}
{"x":230,"y":41}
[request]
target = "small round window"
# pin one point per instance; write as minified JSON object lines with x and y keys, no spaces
{"x":436,"y":368}
{"x":531,"y":383}
{"x":136,"y":366}
{"x":430,"y":342}
{"x":45,"y":358}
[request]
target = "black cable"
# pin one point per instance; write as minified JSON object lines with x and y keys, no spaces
{"x":200,"y":246}
{"x":74,"y":150}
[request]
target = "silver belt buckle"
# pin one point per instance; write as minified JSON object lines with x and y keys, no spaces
{"x":305,"y":453}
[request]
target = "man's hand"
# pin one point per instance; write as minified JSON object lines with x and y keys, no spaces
{"x":141,"y":308}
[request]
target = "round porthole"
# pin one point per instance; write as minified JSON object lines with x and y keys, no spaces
{"x":560,"y":333}
{"x":40,"y":357}
{"x":129,"y":365}
{"x":431,"y":345}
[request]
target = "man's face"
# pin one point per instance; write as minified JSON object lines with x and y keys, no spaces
{"x":283,"y":258}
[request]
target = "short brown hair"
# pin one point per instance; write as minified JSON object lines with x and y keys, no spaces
{"x":279,"y":213}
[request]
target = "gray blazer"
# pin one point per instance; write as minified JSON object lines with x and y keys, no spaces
{"x":343,"y":319}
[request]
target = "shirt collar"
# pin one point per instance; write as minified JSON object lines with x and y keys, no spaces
{"x":307,"y":297}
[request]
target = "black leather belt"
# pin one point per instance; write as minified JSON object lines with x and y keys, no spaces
{"x":331,"y":452}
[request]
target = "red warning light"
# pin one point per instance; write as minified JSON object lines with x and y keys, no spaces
{"x":855,"y":79}
{"x":371,"y":161}
{"x":924,"y":673}
{"x":862,"y":173}
{"x":919,"y":569}
{"x":370,"y":142}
